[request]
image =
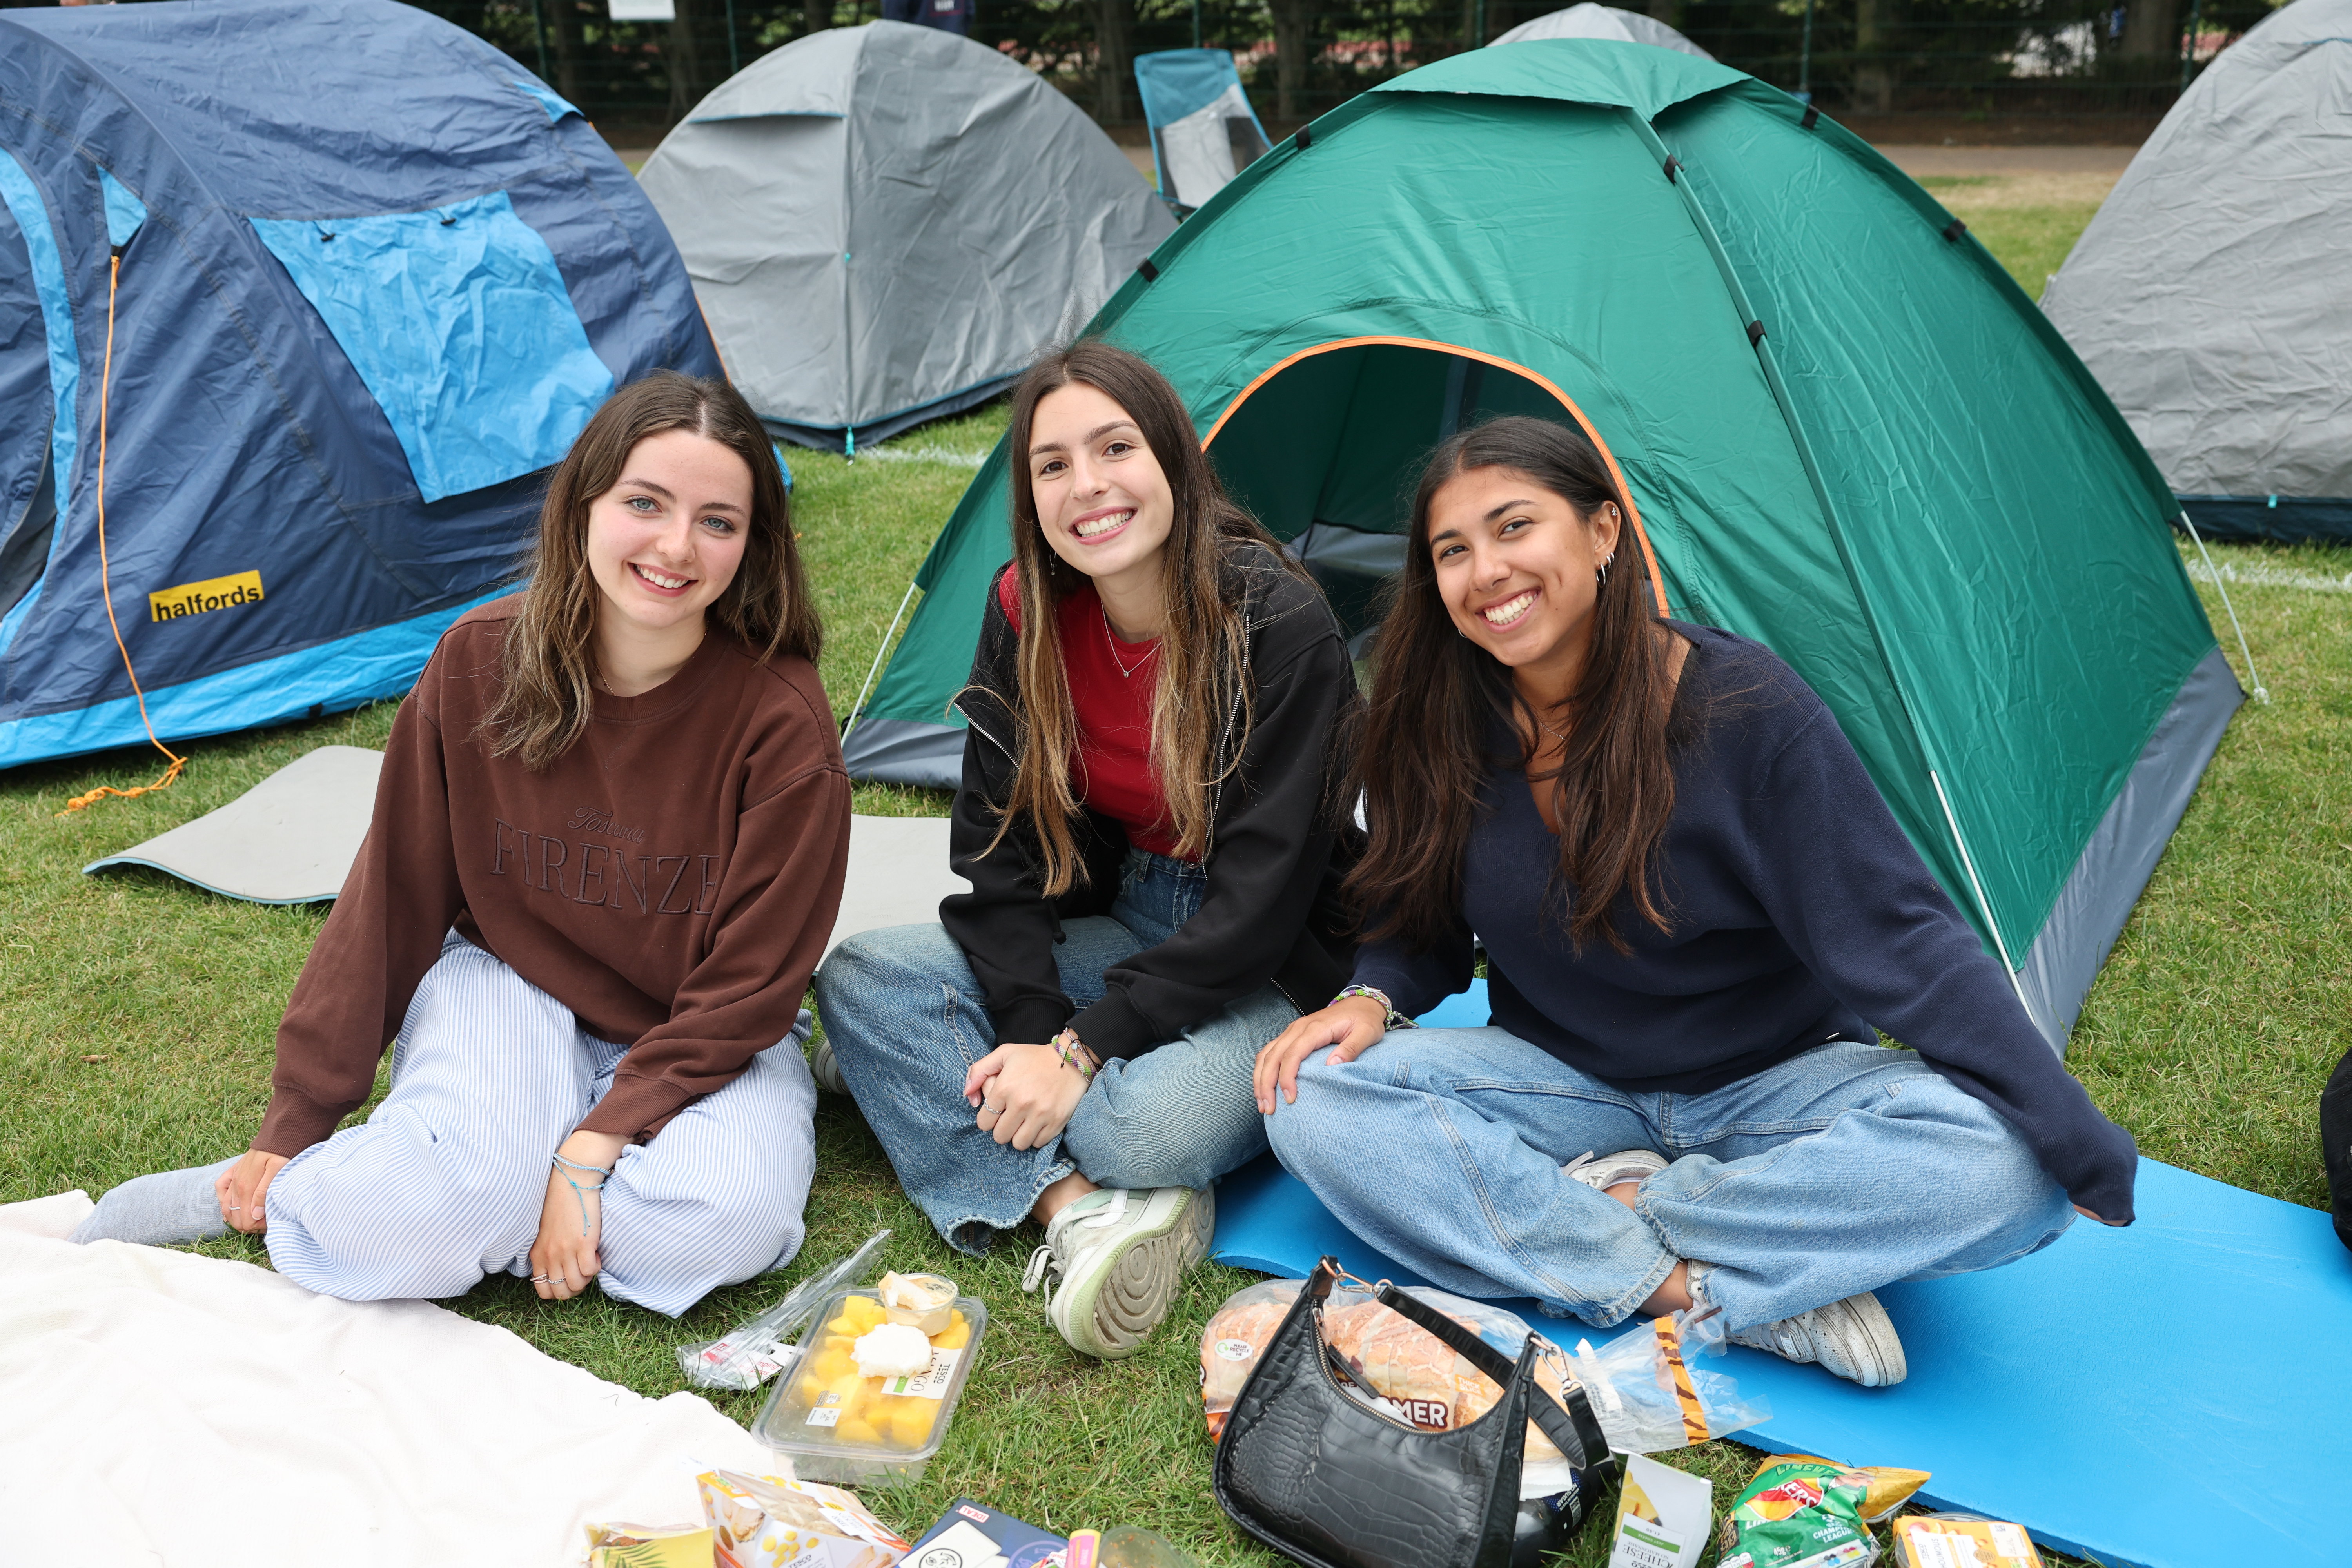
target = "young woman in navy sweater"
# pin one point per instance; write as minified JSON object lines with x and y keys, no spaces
{"x":1697,"y":913}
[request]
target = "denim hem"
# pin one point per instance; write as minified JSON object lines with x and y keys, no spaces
{"x":954,"y":1233}
{"x":1630,"y":1302}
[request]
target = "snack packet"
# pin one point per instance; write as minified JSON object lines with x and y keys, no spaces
{"x":1947,"y":1541}
{"x":649,"y":1546}
{"x":763,"y":1521}
{"x":1889,"y":1489}
{"x":1800,"y":1513}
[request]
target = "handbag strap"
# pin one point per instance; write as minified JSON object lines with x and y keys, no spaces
{"x":1574,"y":1431}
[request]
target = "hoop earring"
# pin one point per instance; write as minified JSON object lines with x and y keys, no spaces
{"x":1601,"y":575}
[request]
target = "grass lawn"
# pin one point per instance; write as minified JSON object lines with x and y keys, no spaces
{"x":136,"y":1013}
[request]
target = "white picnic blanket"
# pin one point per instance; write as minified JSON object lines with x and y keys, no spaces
{"x":157,"y":1407}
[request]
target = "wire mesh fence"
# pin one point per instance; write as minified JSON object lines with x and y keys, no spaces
{"x":1959,"y":69}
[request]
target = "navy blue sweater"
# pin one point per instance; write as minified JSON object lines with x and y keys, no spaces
{"x":1799,"y":909}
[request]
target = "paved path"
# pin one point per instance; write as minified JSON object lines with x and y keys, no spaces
{"x":1918,"y":160}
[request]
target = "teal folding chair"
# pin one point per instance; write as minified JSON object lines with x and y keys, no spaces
{"x":1203,"y":131}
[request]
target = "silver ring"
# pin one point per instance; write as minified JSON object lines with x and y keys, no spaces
{"x":234,"y":1208}
{"x":539,"y":1279}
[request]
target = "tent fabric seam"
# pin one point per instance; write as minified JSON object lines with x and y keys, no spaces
{"x":54,"y":291}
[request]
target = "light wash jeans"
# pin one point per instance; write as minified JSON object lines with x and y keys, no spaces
{"x":907,"y":1020}
{"x":1836,"y":1172}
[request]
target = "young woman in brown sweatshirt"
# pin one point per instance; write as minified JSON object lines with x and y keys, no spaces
{"x":607,"y":850}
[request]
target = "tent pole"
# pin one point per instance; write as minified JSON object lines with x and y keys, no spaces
{"x":1983,"y":904}
{"x":1805,"y":58}
{"x":1768,"y":363}
{"x":2222,"y":588}
{"x":538,"y":36}
{"x":734,"y":58}
{"x":857,"y":709}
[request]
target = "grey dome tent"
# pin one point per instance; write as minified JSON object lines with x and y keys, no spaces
{"x":884,"y":224}
{"x":1590,"y":20}
{"x":2212,"y":294}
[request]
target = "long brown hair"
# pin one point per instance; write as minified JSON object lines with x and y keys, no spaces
{"x":1202,"y":708}
{"x":547,"y":666}
{"x":1427,"y":747}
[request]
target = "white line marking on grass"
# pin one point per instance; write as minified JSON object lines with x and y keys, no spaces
{"x":2270,"y":577}
{"x":942,"y":455}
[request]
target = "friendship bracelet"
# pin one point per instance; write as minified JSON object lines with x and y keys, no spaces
{"x":1066,"y":1046}
{"x":564,"y":1168}
{"x":1394,"y":1019}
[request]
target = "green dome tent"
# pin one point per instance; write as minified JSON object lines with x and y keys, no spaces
{"x":1845,"y":432}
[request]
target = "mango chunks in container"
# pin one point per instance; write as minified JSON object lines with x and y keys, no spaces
{"x":839,"y":1421}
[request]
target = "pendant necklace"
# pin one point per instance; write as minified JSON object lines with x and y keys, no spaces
{"x":1110,"y":640}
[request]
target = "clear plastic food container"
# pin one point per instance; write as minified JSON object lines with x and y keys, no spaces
{"x":837,"y":1426}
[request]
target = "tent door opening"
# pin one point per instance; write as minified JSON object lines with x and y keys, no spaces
{"x":1326,"y":449}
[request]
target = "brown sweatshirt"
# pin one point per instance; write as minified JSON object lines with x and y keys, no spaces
{"x":672,"y":878}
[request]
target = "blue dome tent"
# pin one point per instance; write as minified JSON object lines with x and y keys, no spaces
{"x":320,"y":289}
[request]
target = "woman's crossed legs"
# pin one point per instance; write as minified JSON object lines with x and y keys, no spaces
{"x":1830,"y":1174}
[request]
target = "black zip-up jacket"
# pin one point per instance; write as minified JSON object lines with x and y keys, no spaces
{"x":1272,"y":909}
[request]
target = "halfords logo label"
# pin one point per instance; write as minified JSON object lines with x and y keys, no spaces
{"x":195,"y":598}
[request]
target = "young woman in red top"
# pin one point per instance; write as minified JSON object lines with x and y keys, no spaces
{"x":608,"y":847}
{"x":1146,"y":821}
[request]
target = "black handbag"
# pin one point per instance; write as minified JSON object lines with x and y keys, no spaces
{"x":1324,"y":1478}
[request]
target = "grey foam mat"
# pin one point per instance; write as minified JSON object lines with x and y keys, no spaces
{"x":290,"y":839}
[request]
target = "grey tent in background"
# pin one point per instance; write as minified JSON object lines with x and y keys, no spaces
{"x":1592,"y":21}
{"x":884,"y":224}
{"x":2212,"y":294}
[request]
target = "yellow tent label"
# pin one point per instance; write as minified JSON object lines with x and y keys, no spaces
{"x":213,"y":594}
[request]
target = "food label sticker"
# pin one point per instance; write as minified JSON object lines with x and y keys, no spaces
{"x":1235,"y":1350}
{"x":825,"y":1417}
{"x":2010,"y":1540}
{"x":931,"y":1383}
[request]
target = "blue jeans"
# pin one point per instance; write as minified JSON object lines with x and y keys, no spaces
{"x":1837,"y":1171}
{"x":906,"y":1021}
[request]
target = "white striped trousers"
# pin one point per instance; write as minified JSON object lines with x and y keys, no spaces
{"x":447,"y":1180}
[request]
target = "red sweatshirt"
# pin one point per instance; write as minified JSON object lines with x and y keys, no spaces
{"x":672,"y":878}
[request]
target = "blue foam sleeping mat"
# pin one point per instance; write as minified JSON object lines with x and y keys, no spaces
{"x":2174,"y":1394}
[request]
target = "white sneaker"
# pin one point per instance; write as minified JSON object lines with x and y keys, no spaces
{"x":1600,"y":1174}
{"x":825,"y":1070}
{"x":1112,"y":1261}
{"x":1853,"y":1339}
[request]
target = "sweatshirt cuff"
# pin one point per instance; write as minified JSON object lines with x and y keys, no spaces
{"x":295,"y":1122}
{"x":1113,"y":1028}
{"x":636,"y":1107}
{"x":1032,"y":1021}
{"x":1406,"y":993}
{"x":2103,"y":1185}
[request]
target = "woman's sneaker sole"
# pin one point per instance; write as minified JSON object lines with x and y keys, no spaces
{"x":1128,"y":1285}
{"x":1853,"y":1339}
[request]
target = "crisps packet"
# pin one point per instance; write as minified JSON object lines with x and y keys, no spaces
{"x":1800,"y":1513}
{"x":648,"y":1546}
{"x":763,"y":1521}
{"x":1941,"y":1541}
{"x":1889,"y":1489}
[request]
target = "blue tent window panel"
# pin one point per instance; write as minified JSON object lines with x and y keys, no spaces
{"x":458,"y":321}
{"x":124,"y":212}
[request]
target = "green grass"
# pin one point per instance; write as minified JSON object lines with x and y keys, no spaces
{"x":2029,"y":224}
{"x":2209,"y":1034}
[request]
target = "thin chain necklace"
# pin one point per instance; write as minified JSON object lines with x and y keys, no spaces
{"x":1110,"y":640}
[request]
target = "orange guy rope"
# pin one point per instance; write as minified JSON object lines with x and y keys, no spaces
{"x":105,"y":583}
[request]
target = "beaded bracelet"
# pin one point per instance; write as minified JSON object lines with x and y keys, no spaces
{"x":1067,"y":1046}
{"x":1394,"y":1019}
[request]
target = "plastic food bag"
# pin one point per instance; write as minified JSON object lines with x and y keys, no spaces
{"x":1650,"y":1393}
{"x":754,"y":1352}
{"x":1943,"y":1539}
